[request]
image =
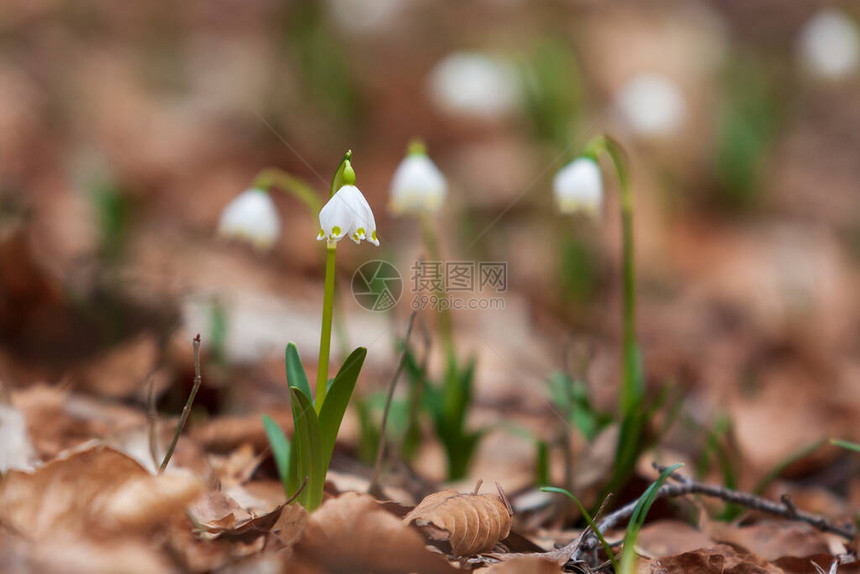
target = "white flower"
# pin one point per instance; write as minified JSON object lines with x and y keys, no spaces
{"x":578,"y":186}
{"x":652,"y":105}
{"x":417,"y":185}
{"x":363,"y":17}
{"x":830,"y":44}
{"x":347,"y":213}
{"x":252,"y":216}
{"x":473,"y":85}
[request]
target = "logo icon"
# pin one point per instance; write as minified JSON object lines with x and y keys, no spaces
{"x":377,"y":285}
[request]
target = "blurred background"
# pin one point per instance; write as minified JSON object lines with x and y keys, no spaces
{"x":127,"y":127}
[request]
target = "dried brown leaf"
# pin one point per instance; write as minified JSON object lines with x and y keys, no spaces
{"x":353,"y":533}
{"x":525,"y":564}
{"x":668,"y":537}
{"x":471,"y":523}
{"x":217,"y":512}
{"x":718,"y":559}
{"x":94,"y":491}
{"x":290,"y":525}
{"x":772,"y":539}
{"x":804,"y":565}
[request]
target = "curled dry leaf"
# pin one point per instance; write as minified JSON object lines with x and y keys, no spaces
{"x":471,"y":523}
{"x":216,"y":512}
{"x":353,"y":533}
{"x":96,"y":490}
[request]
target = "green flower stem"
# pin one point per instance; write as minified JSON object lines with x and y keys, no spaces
{"x":282,"y":181}
{"x":325,"y":331}
{"x":431,"y":243}
{"x":631,"y":389}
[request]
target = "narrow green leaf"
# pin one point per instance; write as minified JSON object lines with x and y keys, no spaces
{"x":845,"y":444}
{"x":795,"y":456}
{"x":307,"y":442}
{"x":606,"y":547}
{"x":640,"y":511}
{"x":296,"y":376}
{"x":332,"y":410}
{"x":280,"y":448}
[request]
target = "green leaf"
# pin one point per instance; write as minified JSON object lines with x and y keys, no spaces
{"x":637,"y":519}
{"x":280,"y":448}
{"x":588,"y":518}
{"x":332,"y":410}
{"x":845,"y":444}
{"x":296,"y":376}
{"x":309,"y":450}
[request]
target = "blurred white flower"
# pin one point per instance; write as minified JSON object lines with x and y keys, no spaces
{"x":252,"y":217}
{"x":347,"y":213}
{"x":652,"y":105}
{"x":578,"y":186}
{"x":417,"y":186}
{"x":365,"y":16}
{"x":830,"y":44}
{"x":474,"y":85}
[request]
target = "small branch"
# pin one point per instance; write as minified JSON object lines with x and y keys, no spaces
{"x":186,"y":410}
{"x":374,"y":487}
{"x":297,"y":493}
{"x":152,"y":422}
{"x":789,"y":505}
{"x":684,"y":486}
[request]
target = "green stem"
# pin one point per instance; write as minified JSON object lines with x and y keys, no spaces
{"x":631,"y":389}
{"x":431,"y":243}
{"x":282,"y":181}
{"x":325,"y":331}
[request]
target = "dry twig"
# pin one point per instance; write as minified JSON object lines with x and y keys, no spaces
{"x":186,"y":410}
{"x":684,"y":486}
{"x":374,"y":488}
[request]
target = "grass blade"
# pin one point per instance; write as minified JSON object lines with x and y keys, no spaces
{"x":296,"y":376}
{"x":606,"y":547}
{"x":332,"y":410}
{"x":280,"y":448}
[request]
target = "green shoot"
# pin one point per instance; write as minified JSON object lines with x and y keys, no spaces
{"x":588,"y":518}
{"x":640,"y":511}
{"x":845,"y":444}
{"x":303,"y":464}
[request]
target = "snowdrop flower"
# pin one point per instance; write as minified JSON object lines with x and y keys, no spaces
{"x":473,"y":85}
{"x":652,"y":105}
{"x":252,"y":217}
{"x":418,"y":185}
{"x":830,"y":44}
{"x":578,"y":186}
{"x":363,"y":17}
{"x":347,"y":213}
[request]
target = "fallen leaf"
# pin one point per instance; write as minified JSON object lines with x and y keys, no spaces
{"x":94,"y":490}
{"x":217,"y":512}
{"x":718,"y":559}
{"x":471,"y":523}
{"x":803,"y":565}
{"x":290,"y":525}
{"x":668,"y":537}
{"x":353,"y":533}
{"x":525,"y":564}
{"x":772,"y":539}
